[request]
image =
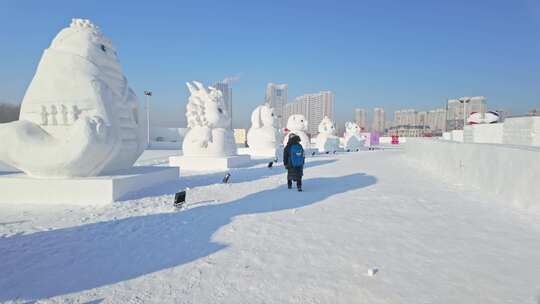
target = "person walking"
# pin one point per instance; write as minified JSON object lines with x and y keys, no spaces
{"x":293,"y":160}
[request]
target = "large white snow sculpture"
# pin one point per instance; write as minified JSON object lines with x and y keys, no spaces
{"x":352,"y":139}
{"x":327,"y":141}
{"x":78,"y":117}
{"x":262,"y":137}
{"x":298,"y":125}
{"x":209,"y":144}
{"x":209,"y":124}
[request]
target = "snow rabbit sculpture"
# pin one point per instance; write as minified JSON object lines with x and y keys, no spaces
{"x":326,"y":140}
{"x":262,"y":136}
{"x":78,"y":117}
{"x":208,"y":122}
{"x":298,"y":125}
{"x":352,"y":138}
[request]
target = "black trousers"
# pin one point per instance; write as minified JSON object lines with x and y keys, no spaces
{"x":298,"y":183}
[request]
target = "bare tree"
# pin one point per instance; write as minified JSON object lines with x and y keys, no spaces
{"x":9,"y":112}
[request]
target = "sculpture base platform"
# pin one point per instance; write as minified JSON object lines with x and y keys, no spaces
{"x":269,"y":154}
{"x":333,"y":151}
{"x":18,"y":188}
{"x":202,"y":163}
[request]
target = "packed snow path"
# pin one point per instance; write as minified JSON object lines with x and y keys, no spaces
{"x":254,"y":241}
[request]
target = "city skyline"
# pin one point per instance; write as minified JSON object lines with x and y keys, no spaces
{"x":427,"y":53}
{"x":314,"y":107}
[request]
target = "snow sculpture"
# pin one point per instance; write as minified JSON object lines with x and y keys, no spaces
{"x":326,"y":140}
{"x":488,"y":118}
{"x":78,"y":117}
{"x":298,"y":125}
{"x":352,"y":139}
{"x":208,"y":122}
{"x":262,"y":136}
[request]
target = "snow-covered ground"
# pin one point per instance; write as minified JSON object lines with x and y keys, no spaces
{"x":254,"y":241}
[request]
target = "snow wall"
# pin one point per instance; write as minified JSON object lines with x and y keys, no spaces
{"x":522,"y":131}
{"x":484,"y":133}
{"x":510,"y":172}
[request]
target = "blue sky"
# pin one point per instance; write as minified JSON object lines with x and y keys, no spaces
{"x":395,"y":54}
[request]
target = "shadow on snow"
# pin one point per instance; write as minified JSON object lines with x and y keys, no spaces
{"x":58,"y":262}
{"x":238,"y":175}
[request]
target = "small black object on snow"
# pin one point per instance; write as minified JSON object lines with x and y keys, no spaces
{"x":372,"y":271}
{"x":180,"y":199}
{"x":270,"y":164}
{"x":312,"y":153}
{"x":226,"y":178}
{"x":348,"y":150}
{"x":327,"y":152}
{"x":357,"y":150}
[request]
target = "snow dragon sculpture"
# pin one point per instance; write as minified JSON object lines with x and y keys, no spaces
{"x":352,"y":139}
{"x":262,"y":136}
{"x":326,"y":140}
{"x":208,"y":122}
{"x":78,"y":117}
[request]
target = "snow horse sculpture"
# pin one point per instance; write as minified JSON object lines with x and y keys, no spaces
{"x":327,"y":141}
{"x":262,"y":137}
{"x":78,"y":117}
{"x":298,"y":125}
{"x":352,"y":139}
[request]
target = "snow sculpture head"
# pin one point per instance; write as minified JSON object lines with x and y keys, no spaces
{"x":78,"y":117}
{"x":263,"y":116}
{"x":298,"y":125}
{"x":206,"y":107}
{"x":327,"y":126}
{"x":351,"y":128}
{"x":262,"y":136}
{"x":297,"y":122}
{"x":208,"y":121}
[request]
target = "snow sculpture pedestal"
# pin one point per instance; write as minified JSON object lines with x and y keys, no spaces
{"x":263,"y":154}
{"x":203,"y":163}
{"x":19,"y":188}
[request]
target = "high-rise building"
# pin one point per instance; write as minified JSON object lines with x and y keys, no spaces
{"x":314,"y":107}
{"x":378,"y":120}
{"x":436,"y":120}
{"x":226,"y":90}
{"x":276,"y":96}
{"x":360,"y":116}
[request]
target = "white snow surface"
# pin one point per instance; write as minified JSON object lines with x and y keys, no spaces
{"x":254,"y":241}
